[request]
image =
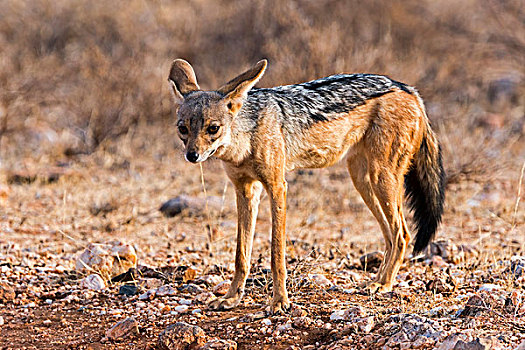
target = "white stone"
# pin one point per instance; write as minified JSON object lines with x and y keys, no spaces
{"x":266,"y":322}
{"x":181,"y":308}
{"x":165,"y":290}
{"x":320,"y":281}
{"x":489,"y":287}
{"x":337,"y":315}
{"x":183,"y":301}
{"x":93,"y":282}
{"x":109,"y":259}
{"x":284,"y":327}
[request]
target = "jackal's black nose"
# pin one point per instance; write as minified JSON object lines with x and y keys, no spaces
{"x":192,"y":156}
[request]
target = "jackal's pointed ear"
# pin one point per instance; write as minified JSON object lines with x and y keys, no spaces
{"x":182,"y":78}
{"x":236,"y":89}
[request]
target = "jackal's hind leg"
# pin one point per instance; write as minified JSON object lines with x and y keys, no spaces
{"x":358,"y":168}
{"x":388,"y":189}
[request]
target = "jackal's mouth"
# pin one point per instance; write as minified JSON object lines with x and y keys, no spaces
{"x":212,"y":152}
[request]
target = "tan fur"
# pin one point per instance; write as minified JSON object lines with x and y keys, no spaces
{"x":379,"y":140}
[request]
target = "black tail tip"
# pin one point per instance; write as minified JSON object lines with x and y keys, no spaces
{"x":425,"y":190}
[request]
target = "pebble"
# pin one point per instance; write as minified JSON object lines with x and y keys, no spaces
{"x":266,"y":322}
{"x":150,"y":294}
{"x":123,"y":329}
{"x":108,"y":259}
{"x":183,"y":301}
{"x":93,"y":282}
{"x":205,"y":298}
{"x":211,"y":280}
{"x":181,"y":308}
{"x":320,"y":281}
{"x":128,"y":289}
{"x":181,"y":335}
{"x":220,"y":344}
{"x":166,"y":290}
{"x":284,"y":327}
{"x":297,"y":311}
{"x":7,"y":293}
{"x":346,"y":315}
{"x":489,"y":287}
{"x":302,"y":322}
{"x":192,"y":288}
{"x":1,"y":321}
{"x":222,"y":288}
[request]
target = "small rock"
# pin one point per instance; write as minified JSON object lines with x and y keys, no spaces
{"x":220,"y":344}
{"x":266,"y":321}
{"x":1,"y":321}
{"x":449,"y":342}
{"x":93,"y":282}
{"x":192,"y":206}
{"x":165,"y":290}
{"x":438,"y":261}
{"x":347,"y":315}
{"x":489,"y":287}
{"x":320,"y":281}
{"x":222,"y":288}
{"x":476,"y":304}
{"x":372,"y":260}
{"x":205,"y":297}
{"x":109,"y":259}
{"x":284,"y":327}
{"x":443,"y":283}
{"x":302,"y":322}
{"x":517,"y":266}
{"x":191,"y":288}
{"x":123,"y":329}
{"x":7,"y":293}
{"x":472,"y":345}
{"x":128,"y":289}
{"x":181,"y":336}
{"x":151,"y":283}
{"x":521,"y":346}
{"x":181,"y":308}
{"x":211,"y":280}
{"x":149,"y":295}
{"x":451,"y":252}
{"x":297,"y":311}
{"x":365,"y":324}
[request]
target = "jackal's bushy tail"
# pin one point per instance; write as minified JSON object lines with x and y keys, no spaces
{"x":425,"y":189}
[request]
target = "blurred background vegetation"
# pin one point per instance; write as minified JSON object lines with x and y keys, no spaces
{"x":77,"y":74}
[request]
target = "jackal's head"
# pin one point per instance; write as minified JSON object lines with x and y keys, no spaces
{"x":204,"y":118}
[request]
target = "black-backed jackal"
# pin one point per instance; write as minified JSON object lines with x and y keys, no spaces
{"x":378,"y":125}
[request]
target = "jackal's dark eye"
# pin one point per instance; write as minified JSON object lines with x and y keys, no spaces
{"x":183,"y":130}
{"x":212,"y":129}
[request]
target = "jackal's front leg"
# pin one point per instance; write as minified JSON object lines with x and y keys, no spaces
{"x":248,"y":196}
{"x":277,"y":192}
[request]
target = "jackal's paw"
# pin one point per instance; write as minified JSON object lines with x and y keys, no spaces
{"x":279,"y":305}
{"x":376,"y":287}
{"x":224,"y":303}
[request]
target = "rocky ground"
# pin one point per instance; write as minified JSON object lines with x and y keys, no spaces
{"x":87,"y":261}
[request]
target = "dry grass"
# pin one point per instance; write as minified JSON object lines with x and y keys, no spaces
{"x":76,"y":73}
